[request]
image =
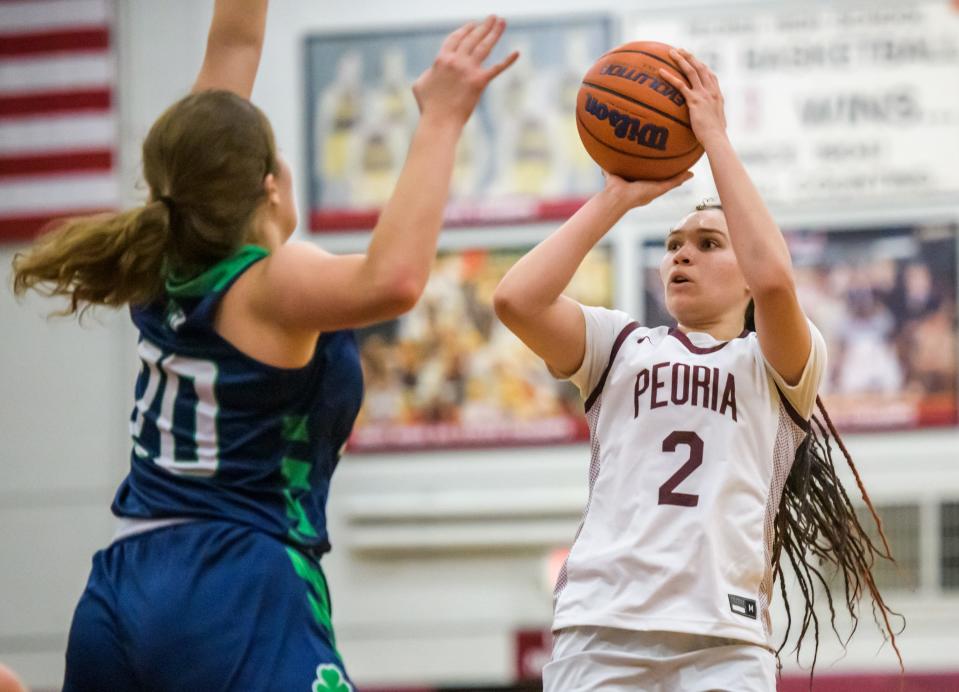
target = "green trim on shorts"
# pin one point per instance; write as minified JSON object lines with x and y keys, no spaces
{"x":318,"y":593}
{"x":296,"y":514}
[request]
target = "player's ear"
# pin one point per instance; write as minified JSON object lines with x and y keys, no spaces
{"x":271,"y":188}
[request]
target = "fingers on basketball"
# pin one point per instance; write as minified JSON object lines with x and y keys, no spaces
{"x":676,"y":81}
{"x":687,"y":67}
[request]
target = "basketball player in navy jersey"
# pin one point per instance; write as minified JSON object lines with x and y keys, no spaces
{"x":250,"y":377}
{"x":699,"y":439}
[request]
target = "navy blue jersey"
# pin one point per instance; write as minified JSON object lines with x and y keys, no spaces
{"x":220,"y":435}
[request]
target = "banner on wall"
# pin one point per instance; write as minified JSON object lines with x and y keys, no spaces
{"x":520,"y":157}
{"x":827,"y":103}
{"x":449,"y":374}
{"x":58,"y":124}
{"x":885,"y":301}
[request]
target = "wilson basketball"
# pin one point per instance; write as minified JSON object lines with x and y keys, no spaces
{"x":633,"y":122}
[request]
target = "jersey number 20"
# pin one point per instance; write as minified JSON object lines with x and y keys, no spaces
{"x":667,"y":491}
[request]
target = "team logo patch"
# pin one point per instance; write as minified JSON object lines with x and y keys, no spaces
{"x":742,"y":606}
{"x":174,"y":316}
{"x":330,"y":678}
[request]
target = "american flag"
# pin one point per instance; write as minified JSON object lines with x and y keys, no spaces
{"x":58,"y":121}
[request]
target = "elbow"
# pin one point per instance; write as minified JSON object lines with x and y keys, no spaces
{"x":505,"y":305}
{"x":774,"y":279}
{"x":773,"y":287}
{"x":398,"y":296}
{"x":501,"y":302}
{"x":234,"y":39}
{"x":406,"y":293}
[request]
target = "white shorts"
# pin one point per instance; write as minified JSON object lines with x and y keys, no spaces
{"x":615,"y":660}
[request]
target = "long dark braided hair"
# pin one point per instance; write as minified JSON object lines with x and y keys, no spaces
{"x":816,"y":525}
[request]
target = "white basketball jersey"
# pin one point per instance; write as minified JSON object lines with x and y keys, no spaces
{"x":692,"y":440}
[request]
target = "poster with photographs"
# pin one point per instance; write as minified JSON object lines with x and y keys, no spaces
{"x":449,"y":374}
{"x":519,"y":159}
{"x":885,"y":301}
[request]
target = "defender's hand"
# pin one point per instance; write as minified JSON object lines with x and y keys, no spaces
{"x":452,"y":86}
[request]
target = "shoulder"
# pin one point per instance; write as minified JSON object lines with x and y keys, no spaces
{"x":246,"y":319}
{"x":605,"y":318}
{"x":608,"y":330}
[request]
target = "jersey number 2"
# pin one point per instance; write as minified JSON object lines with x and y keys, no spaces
{"x":667,"y":491}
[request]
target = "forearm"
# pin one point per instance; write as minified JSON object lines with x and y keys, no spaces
{"x":233,"y":47}
{"x":403,"y":245}
{"x":238,"y":22}
{"x":756,"y":239}
{"x":538,"y":279}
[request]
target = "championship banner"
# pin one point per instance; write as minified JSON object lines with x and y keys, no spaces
{"x":830,"y":103}
{"x":885,"y":301}
{"x":449,"y":374}
{"x":520,"y":157}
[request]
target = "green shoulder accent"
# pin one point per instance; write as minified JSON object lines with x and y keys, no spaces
{"x":217,"y":276}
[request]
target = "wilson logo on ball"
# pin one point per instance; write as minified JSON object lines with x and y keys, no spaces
{"x":627,"y":127}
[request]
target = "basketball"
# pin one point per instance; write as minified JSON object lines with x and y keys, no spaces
{"x":632,"y":122}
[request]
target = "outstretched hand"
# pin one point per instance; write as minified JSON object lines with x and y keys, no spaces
{"x":702,"y":94}
{"x":641,"y":192}
{"x":452,"y":85}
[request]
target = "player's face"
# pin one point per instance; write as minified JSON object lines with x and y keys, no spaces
{"x":700,"y":273}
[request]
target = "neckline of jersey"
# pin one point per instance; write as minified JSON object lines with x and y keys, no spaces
{"x":217,"y":276}
{"x":683,"y":338}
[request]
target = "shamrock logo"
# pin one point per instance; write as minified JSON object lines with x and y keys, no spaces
{"x":329,"y":678}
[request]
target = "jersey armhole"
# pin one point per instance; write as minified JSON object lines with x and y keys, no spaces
{"x":791,"y":410}
{"x":620,"y":339}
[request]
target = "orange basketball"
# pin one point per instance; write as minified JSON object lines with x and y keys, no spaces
{"x":633,"y":122}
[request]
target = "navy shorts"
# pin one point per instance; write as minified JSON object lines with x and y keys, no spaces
{"x":204,"y":605}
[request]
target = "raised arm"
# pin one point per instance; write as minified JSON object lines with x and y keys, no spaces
{"x":529,"y":299}
{"x":307,"y":288}
{"x":756,"y":239}
{"x":233,"y":47}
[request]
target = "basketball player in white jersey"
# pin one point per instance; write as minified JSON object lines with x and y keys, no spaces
{"x":693,"y":489}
